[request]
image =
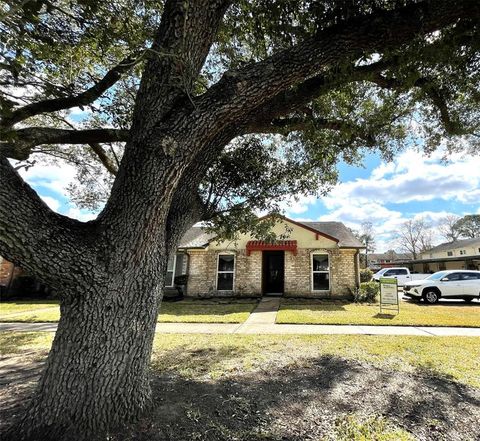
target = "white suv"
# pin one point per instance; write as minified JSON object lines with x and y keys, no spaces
{"x":455,"y":284}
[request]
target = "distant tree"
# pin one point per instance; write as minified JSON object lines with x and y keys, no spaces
{"x":448,"y":227}
{"x":415,"y":237}
{"x":469,"y":226}
{"x":367,"y":237}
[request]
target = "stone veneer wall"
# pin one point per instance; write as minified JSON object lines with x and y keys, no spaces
{"x":202,"y":270}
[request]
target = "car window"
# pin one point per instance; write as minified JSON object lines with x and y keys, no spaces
{"x":470,"y":276}
{"x":389,"y":273}
{"x":402,"y":272}
{"x":452,"y":277}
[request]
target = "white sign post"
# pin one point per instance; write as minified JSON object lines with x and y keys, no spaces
{"x":389,"y":294}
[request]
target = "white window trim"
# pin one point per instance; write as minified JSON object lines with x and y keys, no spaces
{"x":226,"y":253}
{"x":312,"y":272}
{"x":174,"y":269}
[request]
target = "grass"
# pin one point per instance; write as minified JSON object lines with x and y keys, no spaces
{"x":214,"y":356}
{"x":351,"y":428}
{"x":186,"y":311}
{"x":206,"y":311}
{"x":344,"y":313}
{"x":30,"y":311}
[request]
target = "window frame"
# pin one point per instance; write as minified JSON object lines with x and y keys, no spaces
{"x":312,"y":272}
{"x":217,"y":272}
{"x":173,"y":272}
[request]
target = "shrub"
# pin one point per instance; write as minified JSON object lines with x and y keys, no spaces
{"x":366,"y":275}
{"x":368,"y":292}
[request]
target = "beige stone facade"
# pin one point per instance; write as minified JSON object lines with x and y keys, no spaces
{"x":247,"y":276}
{"x":343,"y":273}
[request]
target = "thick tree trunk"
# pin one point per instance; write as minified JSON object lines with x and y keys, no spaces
{"x":97,"y":370}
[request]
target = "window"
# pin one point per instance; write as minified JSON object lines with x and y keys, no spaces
{"x":320,"y":272}
{"x":462,"y":252}
{"x":470,"y":276}
{"x":171,"y":270}
{"x":226,"y":269}
{"x":449,"y":253}
{"x":452,"y":277}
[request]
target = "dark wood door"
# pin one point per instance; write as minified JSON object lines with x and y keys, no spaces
{"x":273,"y":272}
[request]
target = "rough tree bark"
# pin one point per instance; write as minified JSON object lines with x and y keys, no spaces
{"x":109,"y":272}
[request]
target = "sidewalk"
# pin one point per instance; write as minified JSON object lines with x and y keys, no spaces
{"x":244,"y":328}
{"x":262,"y":321}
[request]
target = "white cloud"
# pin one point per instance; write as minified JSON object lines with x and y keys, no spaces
{"x":53,"y":203}
{"x":81,"y":215}
{"x":413,"y":177}
{"x":410,"y":177}
{"x":51,"y":176}
{"x":298,"y":204}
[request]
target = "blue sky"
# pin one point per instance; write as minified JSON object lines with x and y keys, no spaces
{"x":387,"y":194}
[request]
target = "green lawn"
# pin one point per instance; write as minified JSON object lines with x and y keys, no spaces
{"x":344,"y":313}
{"x":186,"y":311}
{"x":206,"y":311}
{"x":215,"y":356}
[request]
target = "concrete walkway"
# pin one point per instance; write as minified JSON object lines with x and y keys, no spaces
{"x":268,"y":328}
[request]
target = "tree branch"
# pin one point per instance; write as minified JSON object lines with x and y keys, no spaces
{"x":34,"y":236}
{"x":243,"y":91}
{"x":104,"y":158}
{"x":286,"y":125}
{"x":22,"y":141}
{"x":82,"y":99}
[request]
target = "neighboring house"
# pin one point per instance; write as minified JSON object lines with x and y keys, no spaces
{"x":386,"y":260}
{"x":459,"y":254}
{"x":315,"y":259}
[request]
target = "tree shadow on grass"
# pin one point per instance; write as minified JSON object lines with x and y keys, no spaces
{"x":286,"y":403}
{"x":294,"y":402}
{"x":385,"y":316}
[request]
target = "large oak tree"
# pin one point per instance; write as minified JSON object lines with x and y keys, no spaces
{"x":199,"y":110}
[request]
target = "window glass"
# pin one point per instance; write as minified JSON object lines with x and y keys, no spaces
{"x":320,"y":262}
{"x":321,"y":281}
{"x":470,"y":276}
{"x":170,"y":271}
{"x":320,"y":273}
{"x":389,"y":273}
{"x":225,"y":282}
{"x":453,"y":276}
{"x":226,"y":262}
{"x":449,"y":253}
{"x":226,"y":266}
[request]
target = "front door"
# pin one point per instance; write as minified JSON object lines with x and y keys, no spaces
{"x":273,"y":272}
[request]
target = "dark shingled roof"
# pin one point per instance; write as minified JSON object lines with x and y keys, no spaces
{"x":455,"y":244}
{"x":345,"y":237}
{"x":196,"y":237}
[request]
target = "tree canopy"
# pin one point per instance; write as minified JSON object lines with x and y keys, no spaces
{"x":63,"y":55}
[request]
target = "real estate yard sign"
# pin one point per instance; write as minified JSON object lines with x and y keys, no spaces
{"x":389,"y":294}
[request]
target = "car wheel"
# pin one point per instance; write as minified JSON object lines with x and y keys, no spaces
{"x":431,"y":296}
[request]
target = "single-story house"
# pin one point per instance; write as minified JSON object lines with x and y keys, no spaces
{"x":313,"y":259}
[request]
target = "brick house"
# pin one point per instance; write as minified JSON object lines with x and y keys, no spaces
{"x":316,"y":259}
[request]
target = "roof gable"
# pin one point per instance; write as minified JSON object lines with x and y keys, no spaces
{"x":335,"y":232}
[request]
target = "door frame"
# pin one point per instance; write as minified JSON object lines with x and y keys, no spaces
{"x":264,"y":261}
